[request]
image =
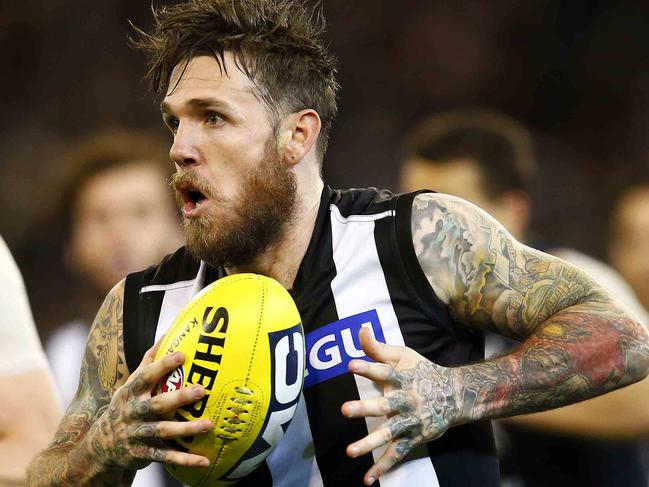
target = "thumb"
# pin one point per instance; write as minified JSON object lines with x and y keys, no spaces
{"x":149,"y":356}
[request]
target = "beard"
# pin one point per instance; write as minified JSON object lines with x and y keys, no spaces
{"x":249,"y":224}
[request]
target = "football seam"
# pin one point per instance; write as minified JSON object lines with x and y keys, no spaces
{"x":259,"y":319}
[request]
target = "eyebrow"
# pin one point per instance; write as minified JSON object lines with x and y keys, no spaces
{"x":197,"y":104}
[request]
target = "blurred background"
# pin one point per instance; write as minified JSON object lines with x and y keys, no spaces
{"x":575,"y":72}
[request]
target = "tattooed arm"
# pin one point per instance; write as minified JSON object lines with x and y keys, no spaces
{"x":578,"y":340}
{"x":111,"y":428}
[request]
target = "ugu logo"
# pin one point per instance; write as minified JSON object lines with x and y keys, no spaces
{"x":330,"y":348}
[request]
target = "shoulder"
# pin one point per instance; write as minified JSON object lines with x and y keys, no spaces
{"x":179,"y":266}
{"x":457,"y":243}
{"x":20,"y":347}
{"x":371,"y":201}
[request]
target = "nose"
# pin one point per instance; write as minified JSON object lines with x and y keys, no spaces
{"x":184,"y":150}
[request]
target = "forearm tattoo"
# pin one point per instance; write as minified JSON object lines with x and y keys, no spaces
{"x":69,"y":460}
{"x":579,"y":341}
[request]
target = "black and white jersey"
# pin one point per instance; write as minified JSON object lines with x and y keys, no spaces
{"x":360,"y":269}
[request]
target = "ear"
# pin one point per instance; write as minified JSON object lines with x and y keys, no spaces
{"x":300,"y":135}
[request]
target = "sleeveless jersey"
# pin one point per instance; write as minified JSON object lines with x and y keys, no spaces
{"x":360,"y":269}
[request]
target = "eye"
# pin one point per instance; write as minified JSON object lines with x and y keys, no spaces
{"x":214,"y":119}
{"x":172,"y":123}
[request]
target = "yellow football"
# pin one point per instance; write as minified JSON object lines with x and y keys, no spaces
{"x":243,"y":341}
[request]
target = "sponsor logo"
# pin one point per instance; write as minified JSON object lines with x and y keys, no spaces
{"x":173,"y":380}
{"x":332,"y":346}
{"x":287,"y":371}
{"x":205,"y":365}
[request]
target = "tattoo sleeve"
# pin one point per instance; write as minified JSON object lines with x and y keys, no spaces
{"x":578,"y":340}
{"x":69,"y":460}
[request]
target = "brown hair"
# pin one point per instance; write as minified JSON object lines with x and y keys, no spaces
{"x":100,"y":153}
{"x":277,"y":44}
{"x":499,"y":145}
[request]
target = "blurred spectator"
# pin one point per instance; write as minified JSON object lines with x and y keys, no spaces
{"x":628,"y":245}
{"x":119,"y":217}
{"x":25,"y":379}
{"x":487,"y":158}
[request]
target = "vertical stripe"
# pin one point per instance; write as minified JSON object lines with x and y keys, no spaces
{"x":331,"y":431}
{"x":358,"y":268}
{"x":175,"y":298}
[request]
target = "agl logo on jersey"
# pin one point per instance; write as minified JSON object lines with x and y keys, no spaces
{"x":331,"y":347}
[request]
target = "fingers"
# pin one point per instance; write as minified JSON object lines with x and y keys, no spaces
{"x":378,"y":351}
{"x":377,"y":406}
{"x":163,"y":430}
{"x":170,"y":401}
{"x":181,"y":459}
{"x":149,"y":355}
{"x":147,"y":376}
{"x":394,"y":453}
{"x":401,"y":425}
{"x":377,"y":372}
{"x":173,"y":457}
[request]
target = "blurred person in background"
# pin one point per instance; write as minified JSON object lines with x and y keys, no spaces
{"x":119,"y":218}
{"x":25,"y":378}
{"x":628,"y":242}
{"x":488,"y":159}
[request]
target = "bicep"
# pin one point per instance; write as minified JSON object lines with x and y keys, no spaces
{"x":103,"y":369}
{"x":486,"y":277}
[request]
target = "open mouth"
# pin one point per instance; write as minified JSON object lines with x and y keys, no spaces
{"x":192,"y":197}
{"x":195,"y":196}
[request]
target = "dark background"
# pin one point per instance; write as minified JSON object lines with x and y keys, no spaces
{"x":576,"y":72}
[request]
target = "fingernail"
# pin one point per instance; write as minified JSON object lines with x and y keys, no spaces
{"x":180,"y":358}
{"x":350,"y":409}
{"x":370,"y":480}
{"x":354,"y":450}
{"x":207,"y":425}
{"x":205,"y":463}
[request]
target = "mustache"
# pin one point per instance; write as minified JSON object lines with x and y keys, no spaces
{"x":185,"y":179}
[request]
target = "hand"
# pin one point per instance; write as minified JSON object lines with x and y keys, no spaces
{"x":418,"y":399}
{"x":129,"y":433}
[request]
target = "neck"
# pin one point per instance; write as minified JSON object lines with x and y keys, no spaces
{"x":282,"y":259}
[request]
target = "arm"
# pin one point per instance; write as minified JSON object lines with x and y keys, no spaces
{"x":578,"y":340}
{"x":111,"y":428}
{"x":24,"y":431}
{"x":24,"y":379}
{"x":627,"y":417}
{"x":620,"y":415}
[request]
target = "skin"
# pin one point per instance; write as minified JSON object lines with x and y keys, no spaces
{"x":24,"y":431}
{"x":220,"y":129}
{"x":627,"y":418}
{"x":112,"y":426}
{"x":578,"y":340}
{"x":124,"y":221}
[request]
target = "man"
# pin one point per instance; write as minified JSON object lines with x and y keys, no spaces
{"x":250,"y":98}
{"x":487,"y":158}
{"x":25,"y":379}
{"x":118,"y":218}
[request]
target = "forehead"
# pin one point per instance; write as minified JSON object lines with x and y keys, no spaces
{"x":203,"y":77}
{"x":138,"y":176}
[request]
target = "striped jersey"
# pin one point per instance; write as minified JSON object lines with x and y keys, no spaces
{"x":360,"y":269}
